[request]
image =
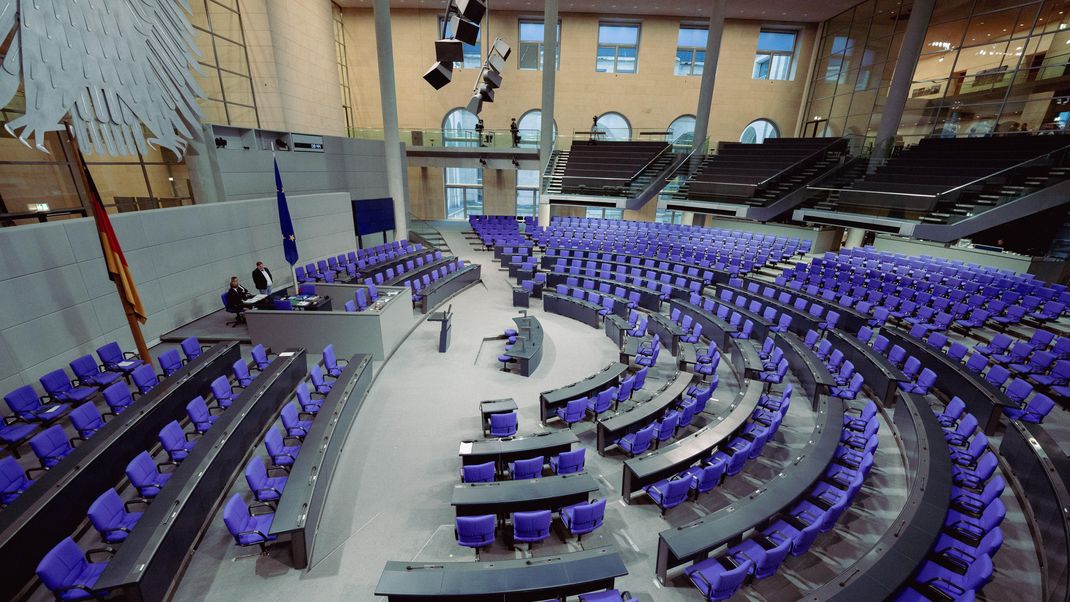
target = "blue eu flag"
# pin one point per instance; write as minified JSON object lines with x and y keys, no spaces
{"x":289,"y":241}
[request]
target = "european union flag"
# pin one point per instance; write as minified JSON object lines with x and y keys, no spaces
{"x":289,"y":241}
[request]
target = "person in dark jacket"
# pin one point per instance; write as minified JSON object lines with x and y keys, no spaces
{"x":236,"y":294}
{"x":262,"y":278}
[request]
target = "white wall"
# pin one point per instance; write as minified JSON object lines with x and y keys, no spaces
{"x":56,"y":302}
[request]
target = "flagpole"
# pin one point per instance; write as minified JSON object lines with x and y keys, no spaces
{"x":131,"y":318}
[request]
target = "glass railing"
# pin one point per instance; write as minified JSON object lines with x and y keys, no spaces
{"x":488,"y":138}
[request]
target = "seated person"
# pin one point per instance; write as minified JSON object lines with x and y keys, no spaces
{"x":235,"y":297}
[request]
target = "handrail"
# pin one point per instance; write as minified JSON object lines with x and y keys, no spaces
{"x":668,"y":148}
{"x":809,"y":157}
{"x":1002,"y":171}
{"x":874,"y":191}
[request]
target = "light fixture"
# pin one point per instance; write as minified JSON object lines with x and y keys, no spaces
{"x":439,"y":74}
{"x":490,"y":76}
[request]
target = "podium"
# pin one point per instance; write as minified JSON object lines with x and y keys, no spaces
{"x":445,"y":318}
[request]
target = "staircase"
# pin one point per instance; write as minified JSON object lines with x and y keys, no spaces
{"x":797,"y":179}
{"x":992,"y":195}
{"x":555,"y":169}
{"x":427,"y":235}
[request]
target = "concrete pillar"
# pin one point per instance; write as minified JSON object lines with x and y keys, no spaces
{"x":395,"y":179}
{"x":549,"y":82}
{"x":855,"y":236}
{"x":709,"y":72}
{"x":689,"y":218}
{"x":913,"y":38}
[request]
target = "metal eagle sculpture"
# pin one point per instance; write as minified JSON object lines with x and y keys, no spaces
{"x":118,"y":67}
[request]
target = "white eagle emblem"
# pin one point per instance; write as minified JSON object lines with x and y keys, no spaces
{"x":118,"y":67}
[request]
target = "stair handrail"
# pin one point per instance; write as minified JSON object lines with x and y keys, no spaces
{"x":811,"y":157}
{"x":1005,"y":170}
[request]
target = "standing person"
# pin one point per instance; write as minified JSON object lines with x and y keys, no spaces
{"x":514,"y":129}
{"x":479,"y":131}
{"x":262,"y":278}
{"x":594,"y":129}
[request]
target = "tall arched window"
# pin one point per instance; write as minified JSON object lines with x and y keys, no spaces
{"x":682,"y":130}
{"x":614,"y":126}
{"x":459,"y":128}
{"x":530,"y":125}
{"x":758,"y":130}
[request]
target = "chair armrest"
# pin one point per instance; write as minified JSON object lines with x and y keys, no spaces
{"x":210,"y":408}
{"x":284,"y":471}
{"x":12,"y":419}
{"x":35,"y":469}
{"x":160,"y":465}
{"x":76,"y":438}
{"x":260,"y":506}
{"x":288,"y":440}
{"x":135,"y":501}
{"x":194,"y":435}
{"x":306,"y":416}
{"x":279,"y":493}
{"x":262,"y":535}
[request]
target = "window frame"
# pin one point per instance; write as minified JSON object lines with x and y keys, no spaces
{"x":693,"y":49}
{"x":541,"y":44}
{"x":789,"y":72}
{"x":533,"y":191}
{"x":462,"y":141}
{"x":465,"y":188}
{"x":638,"y":25}
{"x":627,"y":123}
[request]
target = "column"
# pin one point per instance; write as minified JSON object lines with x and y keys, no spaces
{"x":855,"y":236}
{"x":549,"y":81}
{"x":709,"y":73}
{"x":384,"y":47}
{"x":913,"y":38}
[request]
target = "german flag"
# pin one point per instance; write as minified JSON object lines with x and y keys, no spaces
{"x":118,"y":270}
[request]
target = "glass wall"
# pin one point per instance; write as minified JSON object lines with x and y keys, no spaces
{"x":464,"y":192}
{"x":987,"y":66}
{"x":527,"y":192}
{"x":227,"y":82}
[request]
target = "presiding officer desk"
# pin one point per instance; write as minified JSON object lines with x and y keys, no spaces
{"x":298,"y":511}
{"x":504,"y":497}
{"x":619,"y":424}
{"x":549,"y":401}
{"x":503,"y":450}
{"x":155,"y":554}
{"x":527,"y":351}
{"x":521,"y":580}
{"x":376,"y":332}
{"x":891,"y":560}
{"x":681,"y":454}
{"x":727,"y":526}
{"x":56,"y":504}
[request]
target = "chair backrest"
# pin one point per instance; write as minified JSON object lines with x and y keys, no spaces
{"x":23,"y":401}
{"x":170,"y":361}
{"x":221,"y":388}
{"x":117,"y":396}
{"x":503,"y":424}
{"x":531,"y":524}
{"x":172,"y":437}
{"x":84,"y":367}
{"x":106,"y":512}
{"x":191,"y":347}
{"x":50,"y":445}
{"x":329,"y":359}
{"x":478,"y":473}
{"x":528,"y":467}
{"x":571,"y":461}
{"x":475,"y":529}
{"x":56,"y":383}
{"x":110,"y":354}
{"x":256,"y":473}
{"x":61,"y":567}
{"x":240,"y":369}
{"x":589,"y":516}
{"x":86,"y":419}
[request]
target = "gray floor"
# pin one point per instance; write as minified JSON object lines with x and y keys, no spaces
{"x":390,"y":497}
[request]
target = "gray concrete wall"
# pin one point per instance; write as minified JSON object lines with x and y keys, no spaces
{"x":1009,"y":261}
{"x":56,"y":302}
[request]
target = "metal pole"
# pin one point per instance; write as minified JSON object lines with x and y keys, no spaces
{"x":384,"y":47}
{"x":913,"y":38}
{"x":549,"y":82}
{"x":709,"y":73}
